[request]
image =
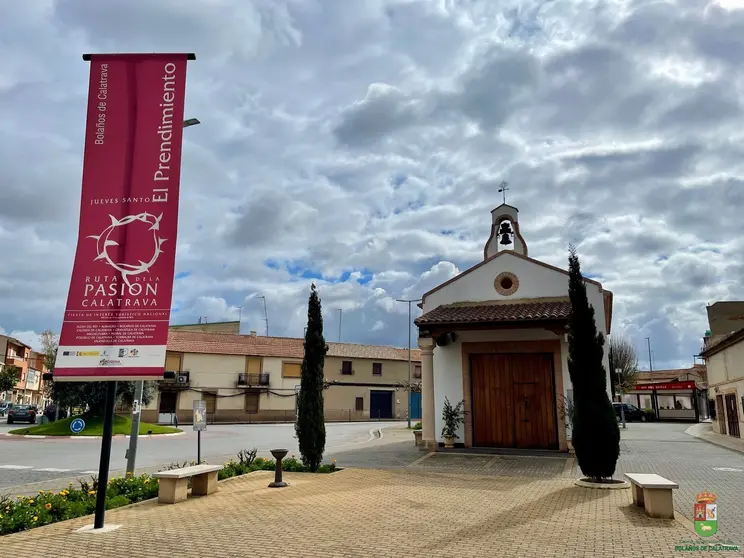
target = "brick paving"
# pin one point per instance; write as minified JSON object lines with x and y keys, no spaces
{"x":694,"y":464}
{"x":498,"y":465}
{"x":374,"y":513}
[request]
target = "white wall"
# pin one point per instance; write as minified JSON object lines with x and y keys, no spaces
{"x":535,"y":281}
{"x":447,"y":383}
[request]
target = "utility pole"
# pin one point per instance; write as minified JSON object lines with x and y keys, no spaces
{"x":266,"y":314}
{"x":650,"y":361}
{"x":409,"y":301}
{"x":340,"y":315}
{"x":136,"y":414}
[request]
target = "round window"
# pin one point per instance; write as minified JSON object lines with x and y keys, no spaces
{"x":506,"y":284}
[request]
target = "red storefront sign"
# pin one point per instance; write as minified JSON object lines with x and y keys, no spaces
{"x":118,"y":307}
{"x":665,"y":387}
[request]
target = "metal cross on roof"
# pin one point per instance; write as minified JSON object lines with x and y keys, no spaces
{"x":503,"y":188}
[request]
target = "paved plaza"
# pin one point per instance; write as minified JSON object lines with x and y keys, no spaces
{"x":365,"y":512}
{"x":393,"y":500}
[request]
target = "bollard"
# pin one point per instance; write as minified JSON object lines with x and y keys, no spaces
{"x":278,"y":454}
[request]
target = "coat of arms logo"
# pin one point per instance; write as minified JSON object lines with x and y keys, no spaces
{"x":104,"y":242}
{"x":706,"y":514}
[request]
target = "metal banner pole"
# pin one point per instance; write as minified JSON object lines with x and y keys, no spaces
{"x":103,"y":467}
{"x":198,"y":447}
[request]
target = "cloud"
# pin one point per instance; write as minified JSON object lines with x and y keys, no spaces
{"x":360,"y":146}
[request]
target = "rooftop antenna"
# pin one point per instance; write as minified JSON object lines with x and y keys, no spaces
{"x":503,"y":189}
{"x":266,"y":314}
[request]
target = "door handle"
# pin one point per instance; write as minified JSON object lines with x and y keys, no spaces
{"x":526,"y":407}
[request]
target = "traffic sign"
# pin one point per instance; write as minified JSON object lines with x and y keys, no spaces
{"x":77,"y":425}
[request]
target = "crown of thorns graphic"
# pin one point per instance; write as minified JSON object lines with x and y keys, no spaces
{"x":103,"y":243}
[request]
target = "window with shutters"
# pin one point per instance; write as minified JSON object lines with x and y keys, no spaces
{"x":252,"y":365}
{"x":346,"y":367}
{"x":173,"y":362}
{"x":251,"y":401}
{"x":377,"y":369}
{"x":291,"y":369}
{"x":359,"y":404}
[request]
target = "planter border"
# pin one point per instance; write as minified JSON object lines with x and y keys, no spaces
{"x":620,"y":485}
{"x":155,"y":499}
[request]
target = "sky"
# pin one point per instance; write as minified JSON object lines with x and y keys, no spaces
{"x":360,"y":145}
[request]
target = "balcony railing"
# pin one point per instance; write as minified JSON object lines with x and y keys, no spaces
{"x":253,"y":380}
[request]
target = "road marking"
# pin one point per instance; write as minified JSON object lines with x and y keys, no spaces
{"x":53,"y":470}
{"x":732,"y":469}
{"x":15,"y":467}
{"x":88,"y":472}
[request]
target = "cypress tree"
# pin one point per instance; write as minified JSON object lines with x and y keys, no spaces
{"x":310,"y":424}
{"x":595,"y":433}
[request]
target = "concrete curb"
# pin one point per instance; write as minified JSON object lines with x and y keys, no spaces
{"x":119,"y":436}
{"x":702,"y":431}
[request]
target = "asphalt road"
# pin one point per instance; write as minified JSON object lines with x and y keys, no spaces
{"x":32,"y":460}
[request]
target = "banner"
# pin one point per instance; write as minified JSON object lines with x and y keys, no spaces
{"x":118,"y":307}
{"x":673,"y":386}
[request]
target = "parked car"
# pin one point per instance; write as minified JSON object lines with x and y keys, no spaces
{"x":4,"y":408}
{"x":631,"y":412}
{"x":22,"y":413}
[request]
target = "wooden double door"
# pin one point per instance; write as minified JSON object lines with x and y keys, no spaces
{"x":513,"y":401}
{"x":732,"y":415}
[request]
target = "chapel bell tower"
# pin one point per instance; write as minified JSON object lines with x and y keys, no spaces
{"x":505,"y":233}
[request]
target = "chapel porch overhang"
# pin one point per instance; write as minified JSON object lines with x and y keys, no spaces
{"x":546,"y":313}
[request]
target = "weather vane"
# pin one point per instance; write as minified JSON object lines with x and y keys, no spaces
{"x":503,"y":188}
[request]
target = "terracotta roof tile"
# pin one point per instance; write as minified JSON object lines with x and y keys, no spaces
{"x":498,"y":311}
{"x":698,"y":371}
{"x":278,"y":347}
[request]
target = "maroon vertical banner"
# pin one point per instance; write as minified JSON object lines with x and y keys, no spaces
{"x":118,"y":307}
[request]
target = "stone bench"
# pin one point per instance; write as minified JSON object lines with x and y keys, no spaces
{"x":174,"y":483}
{"x":654,"y":493}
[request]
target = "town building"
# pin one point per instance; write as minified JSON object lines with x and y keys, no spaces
{"x":678,"y":394}
{"x":495,"y":337}
{"x":252,"y":378}
{"x":14,"y":353}
{"x":29,"y":390}
{"x":723,"y":351}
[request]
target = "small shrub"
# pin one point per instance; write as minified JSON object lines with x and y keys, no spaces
{"x":417,"y":426}
{"x":453,"y":417}
{"x":247,"y":457}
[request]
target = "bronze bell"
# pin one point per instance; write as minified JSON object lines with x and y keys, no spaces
{"x":505,"y":231}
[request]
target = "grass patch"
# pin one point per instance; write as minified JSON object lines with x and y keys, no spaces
{"x":93,"y":427}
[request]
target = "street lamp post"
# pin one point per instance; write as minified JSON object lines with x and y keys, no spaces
{"x":409,"y":301}
{"x":618,"y":371}
{"x":131,"y":454}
